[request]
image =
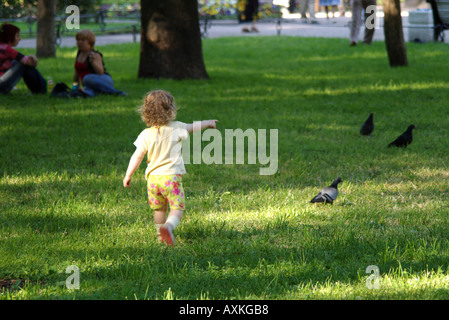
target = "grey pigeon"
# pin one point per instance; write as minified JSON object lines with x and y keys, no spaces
{"x":404,"y":139}
{"x":328,"y":194}
{"x":368,"y":126}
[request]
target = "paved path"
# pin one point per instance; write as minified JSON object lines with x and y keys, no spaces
{"x":291,"y":26}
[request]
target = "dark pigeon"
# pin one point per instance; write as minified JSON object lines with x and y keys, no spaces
{"x":404,"y":139}
{"x":368,"y":126}
{"x":328,"y":194}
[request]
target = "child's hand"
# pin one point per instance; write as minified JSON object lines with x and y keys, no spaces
{"x":203,"y":124}
{"x":126,"y":181}
{"x":213,"y":124}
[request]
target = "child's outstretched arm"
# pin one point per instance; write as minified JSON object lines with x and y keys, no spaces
{"x":134,"y":163}
{"x":205,"y":124}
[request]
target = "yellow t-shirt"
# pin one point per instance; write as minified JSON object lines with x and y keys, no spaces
{"x":163,"y":148}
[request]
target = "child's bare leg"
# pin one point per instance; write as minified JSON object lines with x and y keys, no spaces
{"x":160,"y":216}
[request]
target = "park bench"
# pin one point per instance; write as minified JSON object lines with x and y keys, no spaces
{"x":129,"y":22}
{"x":207,"y":22}
{"x":99,"y":18}
{"x":440,"y":11}
{"x":272,"y":13}
{"x":133,"y":28}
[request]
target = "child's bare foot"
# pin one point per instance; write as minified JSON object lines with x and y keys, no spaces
{"x":167,"y":235}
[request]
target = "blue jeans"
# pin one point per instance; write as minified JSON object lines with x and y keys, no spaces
{"x":31,"y":76}
{"x":94,"y":84}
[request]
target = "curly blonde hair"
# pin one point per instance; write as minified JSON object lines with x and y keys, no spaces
{"x":158,"y":108}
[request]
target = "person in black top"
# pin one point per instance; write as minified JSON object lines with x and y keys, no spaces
{"x":90,"y":72}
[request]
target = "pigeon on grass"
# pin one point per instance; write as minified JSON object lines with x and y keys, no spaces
{"x":368,"y":126}
{"x":404,"y":139}
{"x":328,"y":194}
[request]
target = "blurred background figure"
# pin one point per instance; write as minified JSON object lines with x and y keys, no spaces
{"x":357,"y":7}
{"x":330,"y":3}
{"x":308,"y":5}
{"x":247,"y":14}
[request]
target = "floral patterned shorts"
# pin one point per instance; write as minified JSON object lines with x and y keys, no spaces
{"x":166,"y":189}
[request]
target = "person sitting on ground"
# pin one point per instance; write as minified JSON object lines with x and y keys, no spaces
{"x":90,"y":72}
{"x":14,"y":65}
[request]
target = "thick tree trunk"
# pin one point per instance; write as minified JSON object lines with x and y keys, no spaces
{"x":170,"y":45}
{"x":45,"y":37}
{"x":394,"y":35}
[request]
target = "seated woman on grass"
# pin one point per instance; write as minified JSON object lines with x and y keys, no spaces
{"x":89,"y":67}
{"x":14,"y":65}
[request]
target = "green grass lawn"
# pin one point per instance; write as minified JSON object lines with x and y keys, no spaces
{"x":244,"y":235}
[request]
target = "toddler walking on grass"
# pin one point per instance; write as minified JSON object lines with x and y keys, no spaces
{"x":161,"y":143}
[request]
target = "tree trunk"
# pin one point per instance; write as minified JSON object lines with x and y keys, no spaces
{"x":45,"y":37}
{"x":170,"y":45}
{"x":394,"y":36}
